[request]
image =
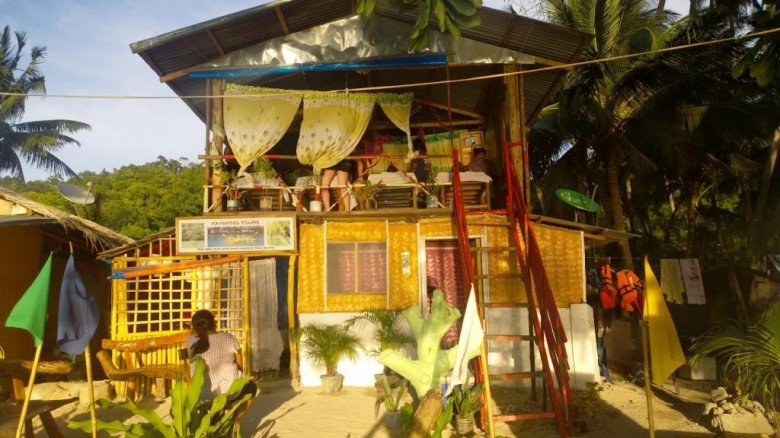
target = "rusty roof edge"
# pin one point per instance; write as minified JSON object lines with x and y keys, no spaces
{"x":150,"y":43}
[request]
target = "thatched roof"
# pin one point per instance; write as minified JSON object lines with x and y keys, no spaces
{"x":99,"y":237}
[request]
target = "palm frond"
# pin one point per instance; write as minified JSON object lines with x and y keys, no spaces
{"x":751,"y":356}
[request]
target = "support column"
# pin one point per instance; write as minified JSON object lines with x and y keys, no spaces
{"x":217,"y":91}
{"x":516,"y":123}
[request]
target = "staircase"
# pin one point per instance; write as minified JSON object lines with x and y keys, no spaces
{"x":546,"y":331}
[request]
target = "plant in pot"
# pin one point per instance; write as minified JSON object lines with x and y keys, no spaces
{"x":391,"y":397}
{"x":327,"y":345}
{"x":434,"y":190}
{"x":233,"y":195}
{"x":365,"y":195}
{"x":265,"y":170}
{"x":388,"y":334}
{"x":466,"y":401}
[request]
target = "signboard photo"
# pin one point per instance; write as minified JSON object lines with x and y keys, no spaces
{"x":235,"y":234}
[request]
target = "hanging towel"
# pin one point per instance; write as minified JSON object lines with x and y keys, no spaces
{"x":694,"y":285}
{"x":671,"y":281}
{"x":266,"y":344}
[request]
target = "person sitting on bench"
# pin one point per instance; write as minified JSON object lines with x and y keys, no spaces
{"x":222,"y":354}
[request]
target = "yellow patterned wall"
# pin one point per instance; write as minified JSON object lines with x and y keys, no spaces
{"x":403,"y":288}
{"x":562,"y":251}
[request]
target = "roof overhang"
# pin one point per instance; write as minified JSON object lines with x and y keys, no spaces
{"x":255,"y":39}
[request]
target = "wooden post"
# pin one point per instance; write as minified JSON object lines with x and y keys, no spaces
{"x":648,"y":389}
{"x":28,"y":394}
{"x":207,"y":169}
{"x":291,"y":337}
{"x":91,"y":391}
{"x":217,"y":90}
{"x":514,"y":119}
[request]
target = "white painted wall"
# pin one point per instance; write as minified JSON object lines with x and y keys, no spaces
{"x":503,"y":356}
{"x":356,"y":373}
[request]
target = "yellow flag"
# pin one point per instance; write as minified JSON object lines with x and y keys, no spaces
{"x":666,"y":353}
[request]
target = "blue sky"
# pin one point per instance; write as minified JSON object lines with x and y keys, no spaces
{"x":88,"y":53}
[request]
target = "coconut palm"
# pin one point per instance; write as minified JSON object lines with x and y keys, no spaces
{"x":31,"y":142}
{"x":751,"y":356}
{"x":587,"y":123}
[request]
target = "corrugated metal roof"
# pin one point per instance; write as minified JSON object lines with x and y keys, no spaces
{"x":173,"y":54}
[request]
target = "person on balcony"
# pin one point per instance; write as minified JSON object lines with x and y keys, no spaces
{"x":341,"y":173}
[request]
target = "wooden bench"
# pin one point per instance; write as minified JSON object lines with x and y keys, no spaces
{"x":9,"y":417}
{"x":131,"y":364}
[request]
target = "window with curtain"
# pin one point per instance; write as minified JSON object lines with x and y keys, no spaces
{"x":357,"y":267}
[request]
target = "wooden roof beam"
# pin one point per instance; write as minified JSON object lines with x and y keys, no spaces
{"x":282,"y":20}
{"x":215,"y":42}
{"x":443,"y":107}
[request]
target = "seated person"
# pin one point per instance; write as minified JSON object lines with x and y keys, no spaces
{"x":222,"y":354}
{"x":479,"y":161}
{"x":341,"y":172}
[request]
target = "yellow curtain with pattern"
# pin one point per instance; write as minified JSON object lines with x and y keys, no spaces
{"x":398,"y":108}
{"x":257,"y":120}
{"x":333,"y":124}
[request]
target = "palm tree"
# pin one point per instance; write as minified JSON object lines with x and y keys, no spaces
{"x":751,"y":356}
{"x":31,"y":142}
{"x":588,"y":122}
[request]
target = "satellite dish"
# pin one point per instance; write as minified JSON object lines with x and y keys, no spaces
{"x":75,"y":194}
{"x":576,"y":200}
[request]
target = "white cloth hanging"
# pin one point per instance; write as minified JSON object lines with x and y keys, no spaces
{"x":266,"y":344}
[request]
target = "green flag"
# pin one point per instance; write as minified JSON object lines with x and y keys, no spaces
{"x":30,"y":312}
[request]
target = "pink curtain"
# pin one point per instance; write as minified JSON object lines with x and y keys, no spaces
{"x":444,"y":272}
{"x":366,"y":260}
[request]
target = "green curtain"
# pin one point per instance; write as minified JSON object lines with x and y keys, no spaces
{"x":333,"y":124}
{"x":257,"y":118}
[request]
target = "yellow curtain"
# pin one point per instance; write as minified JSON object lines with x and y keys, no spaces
{"x":257,"y":120}
{"x":398,"y":108}
{"x":437,"y":144}
{"x":333,"y":124}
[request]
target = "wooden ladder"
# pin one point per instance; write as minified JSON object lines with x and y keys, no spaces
{"x":546,"y":331}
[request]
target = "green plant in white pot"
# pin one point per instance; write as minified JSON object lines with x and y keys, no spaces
{"x":467,"y":403}
{"x":392,"y":398}
{"x":327,"y":345}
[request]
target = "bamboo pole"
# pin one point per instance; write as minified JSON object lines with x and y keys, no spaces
{"x":294,"y":370}
{"x":648,"y":389}
{"x":28,"y":393}
{"x":172,"y":267}
{"x":488,"y":393}
{"x":91,"y":390}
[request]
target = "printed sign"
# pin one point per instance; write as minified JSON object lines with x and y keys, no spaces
{"x":235,"y":234}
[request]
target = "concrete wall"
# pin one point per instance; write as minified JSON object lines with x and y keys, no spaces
{"x":503,"y":356}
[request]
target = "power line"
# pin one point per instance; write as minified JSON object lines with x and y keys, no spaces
{"x":416,"y":84}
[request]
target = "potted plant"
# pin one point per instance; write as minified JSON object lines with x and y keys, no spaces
{"x":265,"y":170}
{"x":230,"y":179}
{"x":466,"y":402}
{"x":391,"y":397}
{"x":365,"y":195}
{"x":432,"y":199}
{"x":326,"y":345}
{"x":388,"y":334}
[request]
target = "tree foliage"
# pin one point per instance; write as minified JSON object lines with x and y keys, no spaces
{"x":136,"y":200}
{"x":31,"y":142}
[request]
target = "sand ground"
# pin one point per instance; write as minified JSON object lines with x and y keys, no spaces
{"x":283,"y":411}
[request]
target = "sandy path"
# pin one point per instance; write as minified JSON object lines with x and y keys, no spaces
{"x":286,"y":412}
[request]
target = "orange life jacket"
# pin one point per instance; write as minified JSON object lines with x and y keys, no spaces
{"x":619,"y":289}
